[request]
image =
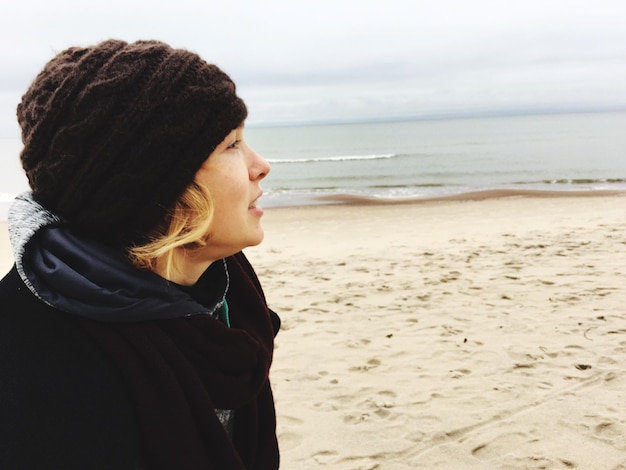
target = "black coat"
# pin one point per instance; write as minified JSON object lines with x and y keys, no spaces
{"x":77,"y":393}
{"x":63,"y":404}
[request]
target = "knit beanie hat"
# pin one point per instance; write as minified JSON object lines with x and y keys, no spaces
{"x":114,"y":133}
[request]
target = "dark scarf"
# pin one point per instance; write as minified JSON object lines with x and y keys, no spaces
{"x":180,"y":370}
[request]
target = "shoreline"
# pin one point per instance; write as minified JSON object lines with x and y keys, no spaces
{"x":348,"y":199}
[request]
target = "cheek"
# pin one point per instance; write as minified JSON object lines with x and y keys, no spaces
{"x":227,"y":182}
{"x":228,"y":194}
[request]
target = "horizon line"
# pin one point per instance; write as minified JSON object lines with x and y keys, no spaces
{"x":435,"y":117}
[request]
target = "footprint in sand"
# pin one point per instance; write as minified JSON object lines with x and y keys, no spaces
{"x":358,"y":343}
{"x":459,"y":373}
{"x":289,"y":437}
{"x":289,"y":440}
{"x":499,"y":446}
{"x":325,"y":457}
{"x":371,"y":364}
{"x":380,"y":406}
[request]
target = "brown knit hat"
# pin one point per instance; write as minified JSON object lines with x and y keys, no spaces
{"x":114,"y":133}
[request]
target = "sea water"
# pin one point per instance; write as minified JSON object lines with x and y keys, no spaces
{"x":415,"y":159}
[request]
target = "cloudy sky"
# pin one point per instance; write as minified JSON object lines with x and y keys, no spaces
{"x":315,"y":60}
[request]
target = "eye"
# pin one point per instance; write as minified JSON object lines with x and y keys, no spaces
{"x":234,"y":144}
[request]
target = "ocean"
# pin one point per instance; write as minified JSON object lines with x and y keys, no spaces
{"x":315,"y":164}
{"x":417,"y":159}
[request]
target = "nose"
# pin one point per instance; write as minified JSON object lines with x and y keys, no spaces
{"x":259,"y":167}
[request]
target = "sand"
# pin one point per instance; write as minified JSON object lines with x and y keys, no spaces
{"x":450,"y":335}
{"x":478,"y":334}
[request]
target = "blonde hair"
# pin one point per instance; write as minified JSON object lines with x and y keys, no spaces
{"x":186,"y":227}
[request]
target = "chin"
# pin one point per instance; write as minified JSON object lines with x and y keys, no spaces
{"x":257,"y":239}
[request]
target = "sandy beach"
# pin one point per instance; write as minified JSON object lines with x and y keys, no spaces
{"x":487,"y":333}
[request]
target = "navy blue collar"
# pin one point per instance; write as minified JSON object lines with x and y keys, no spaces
{"x":86,"y":278}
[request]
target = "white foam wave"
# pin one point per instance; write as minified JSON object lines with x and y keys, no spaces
{"x":332,"y":159}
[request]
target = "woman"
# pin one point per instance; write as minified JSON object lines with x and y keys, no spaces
{"x":134,"y":334}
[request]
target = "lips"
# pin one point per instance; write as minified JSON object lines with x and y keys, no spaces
{"x":254,"y":203}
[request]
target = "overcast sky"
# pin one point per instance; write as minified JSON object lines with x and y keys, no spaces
{"x":300,"y":61}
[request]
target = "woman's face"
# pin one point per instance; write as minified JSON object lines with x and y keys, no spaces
{"x":232,"y":174}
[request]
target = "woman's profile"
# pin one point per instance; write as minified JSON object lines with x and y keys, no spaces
{"x":134,"y":334}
